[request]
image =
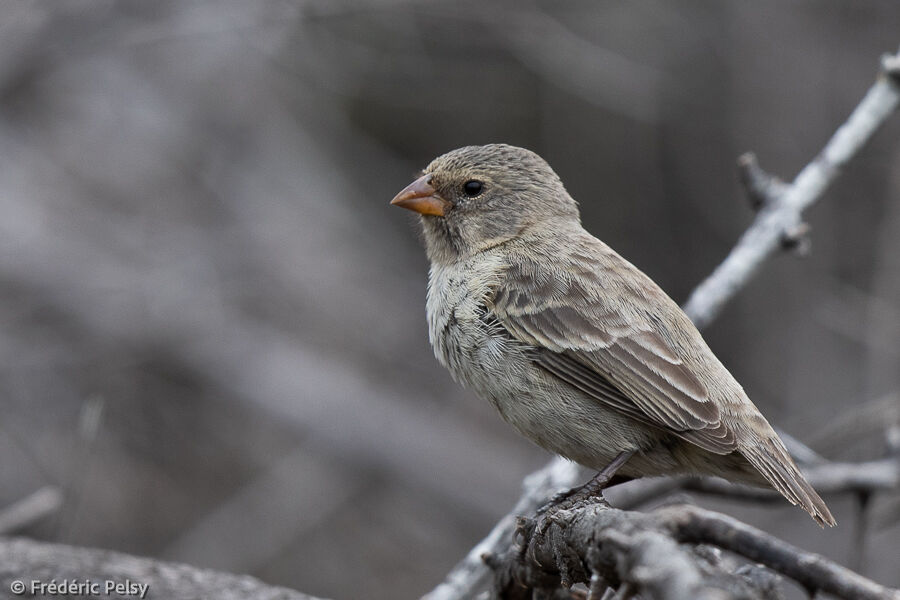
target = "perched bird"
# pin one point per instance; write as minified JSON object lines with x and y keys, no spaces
{"x":573,"y":345}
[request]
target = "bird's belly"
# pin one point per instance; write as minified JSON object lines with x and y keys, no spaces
{"x":549,"y":412}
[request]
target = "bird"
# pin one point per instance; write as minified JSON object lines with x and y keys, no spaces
{"x":574,"y":346}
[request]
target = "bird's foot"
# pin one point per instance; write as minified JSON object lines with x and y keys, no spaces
{"x":573,"y":499}
{"x":589,"y":493}
{"x":539,"y":537}
{"x":558,"y":500}
{"x":532,"y":531}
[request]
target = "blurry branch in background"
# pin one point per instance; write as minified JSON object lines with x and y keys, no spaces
{"x":90,"y":419}
{"x":779,"y":220}
{"x":31,"y":509}
{"x":880,"y":417}
{"x":560,"y":56}
{"x":830,"y":478}
{"x":778,"y":225}
{"x":24,"y":560}
{"x":604,"y":78}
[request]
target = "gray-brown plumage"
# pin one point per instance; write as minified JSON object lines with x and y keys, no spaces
{"x":574,"y":346}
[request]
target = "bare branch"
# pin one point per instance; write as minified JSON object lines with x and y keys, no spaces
{"x":765,"y":236}
{"x":863,"y":422}
{"x":25,"y":561}
{"x":816,"y":573}
{"x":828,"y":478}
{"x":471,"y":573}
{"x":623,"y":548}
{"x":662,"y":554}
{"x":35,"y":507}
{"x":800,"y":452}
{"x":595,"y":74}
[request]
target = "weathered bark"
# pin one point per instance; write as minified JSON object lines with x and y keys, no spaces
{"x":26,"y":564}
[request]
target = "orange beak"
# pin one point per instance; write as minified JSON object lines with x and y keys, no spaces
{"x":420,"y":197}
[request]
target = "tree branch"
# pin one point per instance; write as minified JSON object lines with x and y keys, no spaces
{"x":816,"y":573}
{"x":26,"y":562}
{"x":779,"y":216}
{"x":827,"y":478}
{"x":35,"y":507}
{"x":664,"y":555}
{"x":471,"y":573}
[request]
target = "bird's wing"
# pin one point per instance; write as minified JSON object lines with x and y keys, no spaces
{"x":595,"y":330}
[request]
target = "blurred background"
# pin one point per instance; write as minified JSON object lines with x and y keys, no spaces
{"x":212,"y":330}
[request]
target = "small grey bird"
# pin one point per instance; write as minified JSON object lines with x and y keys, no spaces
{"x":574,"y":346}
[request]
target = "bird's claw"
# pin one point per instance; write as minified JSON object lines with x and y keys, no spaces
{"x":558,"y":499}
{"x":533,"y":531}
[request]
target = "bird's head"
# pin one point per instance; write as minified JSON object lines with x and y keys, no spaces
{"x":477,"y":197}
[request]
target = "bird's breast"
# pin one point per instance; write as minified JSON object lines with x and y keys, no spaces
{"x":465,"y":335}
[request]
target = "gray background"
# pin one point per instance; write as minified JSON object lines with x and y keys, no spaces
{"x":212,"y":329}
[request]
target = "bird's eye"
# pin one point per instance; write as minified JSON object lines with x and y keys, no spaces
{"x":473,"y":187}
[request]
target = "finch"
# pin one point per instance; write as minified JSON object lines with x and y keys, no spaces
{"x":575,"y":347}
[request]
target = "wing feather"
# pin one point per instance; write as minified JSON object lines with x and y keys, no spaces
{"x":590,"y":333}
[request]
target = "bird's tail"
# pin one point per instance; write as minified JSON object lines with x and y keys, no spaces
{"x":771,"y":459}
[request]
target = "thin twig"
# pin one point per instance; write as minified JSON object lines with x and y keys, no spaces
{"x":762,"y":187}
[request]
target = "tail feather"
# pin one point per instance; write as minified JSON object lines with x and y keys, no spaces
{"x":772,"y":460}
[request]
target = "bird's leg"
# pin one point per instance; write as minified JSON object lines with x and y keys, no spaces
{"x":568,"y":500}
{"x":592,"y":489}
{"x":601,"y":480}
